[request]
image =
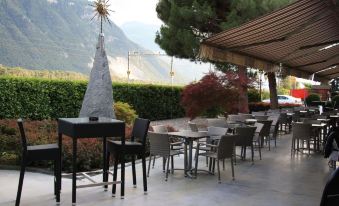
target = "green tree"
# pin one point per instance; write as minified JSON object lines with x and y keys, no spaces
{"x":188,"y":22}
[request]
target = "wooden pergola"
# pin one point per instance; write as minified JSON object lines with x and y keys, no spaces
{"x":301,"y":40}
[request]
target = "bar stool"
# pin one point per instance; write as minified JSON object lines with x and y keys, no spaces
{"x":37,"y":153}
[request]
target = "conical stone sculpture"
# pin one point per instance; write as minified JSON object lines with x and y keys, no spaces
{"x":98,"y":100}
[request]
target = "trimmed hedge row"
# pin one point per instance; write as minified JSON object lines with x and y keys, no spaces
{"x":42,"y":99}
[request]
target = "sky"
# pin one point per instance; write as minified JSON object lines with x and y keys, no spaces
{"x":134,"y":10}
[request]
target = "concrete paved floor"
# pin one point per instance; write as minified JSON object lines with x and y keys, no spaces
{"x":276,"y":180}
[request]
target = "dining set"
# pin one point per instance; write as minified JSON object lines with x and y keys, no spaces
{"x":217,"y":140}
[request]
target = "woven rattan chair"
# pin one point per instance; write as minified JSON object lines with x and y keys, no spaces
{"x":245,"y":139}
{"x":301,"y":132}
{"x":223,"y":150}
{"x":257,"y":137}
{"x":160,"y":145}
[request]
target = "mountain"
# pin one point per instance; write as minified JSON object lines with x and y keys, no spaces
{"x":58,"y":35}
{"x":144,"y":35}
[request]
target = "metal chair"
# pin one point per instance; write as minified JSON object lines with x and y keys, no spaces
{"x":175,"y":145}
{"x":274,"y":128}
{"x":301,"y":132}
{"x":265,"y":133}
{"x":133,"y":148}
{"x":160,"y":145}
{"x":223,"y":150}
{"x":38,"y":153}
{"x":257,"y":136}
{"x":245,"y":139}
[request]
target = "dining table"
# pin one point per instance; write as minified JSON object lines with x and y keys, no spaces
{"x":189,"y":137}
{"x":79,"y":128}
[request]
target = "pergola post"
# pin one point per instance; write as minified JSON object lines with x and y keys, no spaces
{"x":272,"y":83}
{"x":243,"y":98}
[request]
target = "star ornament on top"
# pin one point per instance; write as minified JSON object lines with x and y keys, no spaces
{"x":102,"y":11}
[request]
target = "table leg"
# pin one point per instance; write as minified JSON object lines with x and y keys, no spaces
{"x":122,"y":190}
{"x":185,"y":158}
{"x":105,"y":166}
{"x":74,"y":178}
{"x":190,"y":155}
{"x":60,"y":156}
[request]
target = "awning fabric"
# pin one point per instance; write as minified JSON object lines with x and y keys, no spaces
{"x":302,"y":37}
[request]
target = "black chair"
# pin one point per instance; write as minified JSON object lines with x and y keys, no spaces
{"x":133,"y":148}
{"x":330,"y":195}
{"x":37,"y":153}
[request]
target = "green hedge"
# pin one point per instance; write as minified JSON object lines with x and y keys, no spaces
{"x":43,"y":99}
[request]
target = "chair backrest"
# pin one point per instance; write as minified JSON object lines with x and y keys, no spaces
{"x":245,"y":136}
{"x":216,"y":131}
{"x":266,"y":129}
{"x":274,"y":126}
{"x":160,"y":129}
{"x":22,"y":134}
{"x":226,"y":146}
{"x":274,"y":119}
{"x":193,"y":126}
{"x":140,"y":129}
{"x":259,"y":128}
{"x":263,"y":117}
{"x":159,"y":143}
{"x":330,"y":195}
{"x":301,"y":131}
{"x":283,"y":118}
{"x":216,"y":122}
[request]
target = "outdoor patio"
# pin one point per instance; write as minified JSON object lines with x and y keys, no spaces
{"x":277,"y":179}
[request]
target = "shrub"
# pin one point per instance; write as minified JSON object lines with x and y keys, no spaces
{"x":207,"y":94}
{"x":262,"y":106}
{"x":253,"y":95}
{"x":125,"y":112}
{"x":45,"y":132}
{"x":42,"y":99}
{"x":312,"y":97}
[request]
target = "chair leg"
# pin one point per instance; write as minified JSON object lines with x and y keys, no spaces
{"x":133,"y":172}
{"x":232,"y":168}
{"x":172,"y":164}
{"x":108,"y":155}
{"x":196,"y":163}
{"x":219,"y":181}
{"x":57,"y":179}
{"x":149,"y":164}
{"x":164,"y":164}
{"x":259,"y":152}
{"x":252,"y":153}
{"x":168,"y":160}
{"x":223,"y":164}
{"x":153,"y":162}
{"x":144,"y":178}
{"x":21,"y":180}
{"x":115,"y":174}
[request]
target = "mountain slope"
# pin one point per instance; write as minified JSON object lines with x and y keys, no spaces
{"x":58,"y":34}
